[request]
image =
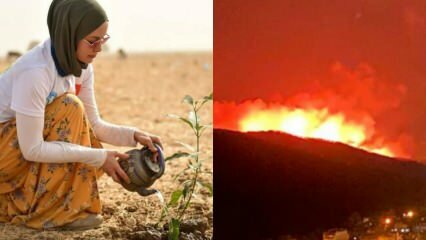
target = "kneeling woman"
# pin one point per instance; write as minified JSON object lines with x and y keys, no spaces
{"x":50,"y":130}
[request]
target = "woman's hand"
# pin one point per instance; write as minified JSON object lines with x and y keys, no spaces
{"x":148,"y":140}
{"x":113,"y":169}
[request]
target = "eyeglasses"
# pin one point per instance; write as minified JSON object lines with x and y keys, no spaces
{"x":96,"y":43}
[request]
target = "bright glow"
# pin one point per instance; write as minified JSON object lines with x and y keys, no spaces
{"x":388,"y":221}
{"x":312,"y":123}
{"x":410,"y":214}
{"x":382,"y":151}
{"x":296,"y":123}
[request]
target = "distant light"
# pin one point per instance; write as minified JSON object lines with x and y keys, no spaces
{"x":388,"y":221}
{"x":410,"y":214}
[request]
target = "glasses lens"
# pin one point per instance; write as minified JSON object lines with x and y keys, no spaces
{"x":106,"y":37}
{"x":100,"y":41}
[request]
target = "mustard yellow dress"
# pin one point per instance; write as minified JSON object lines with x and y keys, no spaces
{"x":48,"y":195}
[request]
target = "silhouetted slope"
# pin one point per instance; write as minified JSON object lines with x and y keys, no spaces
{"x":270,"y":183}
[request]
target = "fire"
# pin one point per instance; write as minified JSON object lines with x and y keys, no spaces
{"x":352,"y":105}
{"x":312,"y":123}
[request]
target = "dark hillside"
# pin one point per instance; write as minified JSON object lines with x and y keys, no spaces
{"x":269,"y":184}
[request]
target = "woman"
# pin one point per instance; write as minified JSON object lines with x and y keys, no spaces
{"x":50,"y":130}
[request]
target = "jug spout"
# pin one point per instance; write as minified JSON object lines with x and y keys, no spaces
{"x":146,"y":192}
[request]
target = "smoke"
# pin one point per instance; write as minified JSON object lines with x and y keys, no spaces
{"x":355,"y":91}
{"x":360,"y":94}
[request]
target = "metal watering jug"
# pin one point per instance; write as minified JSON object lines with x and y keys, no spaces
{"x":141,"y":170}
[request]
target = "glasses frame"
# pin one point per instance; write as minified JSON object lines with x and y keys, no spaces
{"x":96,"y":43}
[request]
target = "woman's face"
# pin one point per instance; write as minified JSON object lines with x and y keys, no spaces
{"x":85,"y":52}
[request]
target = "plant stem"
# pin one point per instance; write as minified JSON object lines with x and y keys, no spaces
{"x":190,"y":195}
{"x":163,"y":214}
{"x":192,"y":188}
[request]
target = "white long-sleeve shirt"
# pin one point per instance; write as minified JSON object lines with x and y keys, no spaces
{"x":32,"y":83}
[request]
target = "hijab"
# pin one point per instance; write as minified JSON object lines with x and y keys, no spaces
{"x":69,"y":21}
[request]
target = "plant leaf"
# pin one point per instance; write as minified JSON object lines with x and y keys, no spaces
{"x":173,"y":229}
{"x":176,"y":195}
{"x":177,"y":155}
{"x":209,"y":97}
{"x":204,"y":127}
{"x":186,"y":186}
{"x":188,"y":99}
{"x":195,"y":166}
{"x":187,"y":146}
{"x":182,"y":119}
{"x":188,"y":122}
{"x":170,"y":115}
{"x":194,"y":155}
{"x":206,"y":185}
{"x":199,"y":126}
{"x":187,"y":182}
{"x":193,"y":118}
{"x":206,"y":99}
{"x":207,"y":126}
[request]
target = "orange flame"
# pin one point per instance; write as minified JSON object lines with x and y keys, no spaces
{"x":312,"y":123}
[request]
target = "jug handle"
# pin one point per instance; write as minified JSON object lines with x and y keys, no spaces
{"x":160,"y":159}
